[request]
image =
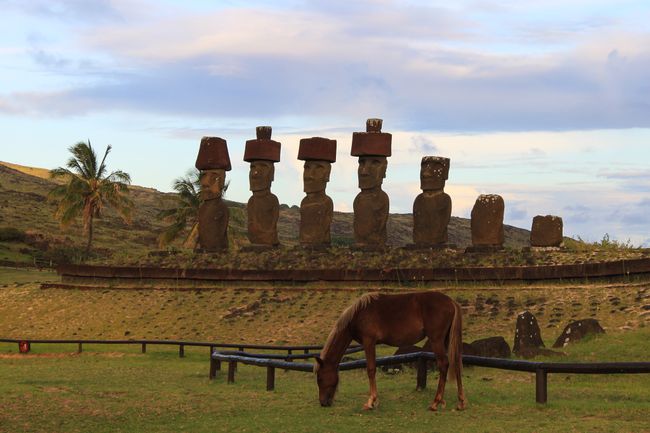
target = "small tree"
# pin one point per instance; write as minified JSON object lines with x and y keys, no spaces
{"x":186,"y":211}
{"x":89,"y":189}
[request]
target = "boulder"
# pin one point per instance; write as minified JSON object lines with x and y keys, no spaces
{"x":527,"y":335}
{"x":491,"y":347}
{"x":576,"y":331}
{"x":546,"y":231}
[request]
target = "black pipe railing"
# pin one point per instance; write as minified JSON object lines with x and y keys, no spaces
{"x":541,"y":369}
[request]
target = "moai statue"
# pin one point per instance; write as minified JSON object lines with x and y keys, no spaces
{"x":316,"y":209}
{"x":487,"y":223}
{"x":263,"y":206}
{"x":432,"y":208}
{"x":371,"y":204}
{"x":213,"y":161}
{"x":546,"y":232}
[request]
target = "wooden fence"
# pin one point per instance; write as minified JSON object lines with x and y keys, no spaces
{"x":541,"y":369}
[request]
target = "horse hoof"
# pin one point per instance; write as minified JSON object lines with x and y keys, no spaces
{"x":461,"y":406}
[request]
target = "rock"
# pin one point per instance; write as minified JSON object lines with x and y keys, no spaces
{"x":491,"y":347}
{"x":527,"y":334}
{"x":576,"y":331}
{"x":487,"y":222}
{"x":546,"y":231}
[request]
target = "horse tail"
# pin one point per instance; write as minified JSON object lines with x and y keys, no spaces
{"x":455,"y":348}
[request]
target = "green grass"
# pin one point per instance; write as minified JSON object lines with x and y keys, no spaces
{"x":111,"y":389}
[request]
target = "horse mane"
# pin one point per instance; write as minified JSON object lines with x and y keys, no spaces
{"x":345,"y":319}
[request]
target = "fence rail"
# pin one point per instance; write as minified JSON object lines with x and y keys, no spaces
{"x":306,"y":349}
{"x":541,"y":369}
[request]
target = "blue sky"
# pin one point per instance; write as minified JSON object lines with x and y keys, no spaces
{"x":546,"y":103}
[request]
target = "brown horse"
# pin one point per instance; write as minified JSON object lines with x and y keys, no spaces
{"x":396,"y":320}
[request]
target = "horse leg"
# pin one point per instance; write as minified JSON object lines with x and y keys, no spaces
{"x":371,"y":368}
{"x":462,"y":400}
{"x":442,"y":363}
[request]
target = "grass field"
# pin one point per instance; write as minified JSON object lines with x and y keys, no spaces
{"x":105,"y":390}
{"x":116,"y":388}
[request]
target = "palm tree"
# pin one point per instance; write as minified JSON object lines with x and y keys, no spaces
{"x":186,"y":211}
{"x":89,"y":189}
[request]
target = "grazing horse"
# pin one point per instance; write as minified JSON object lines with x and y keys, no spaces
{"x":396,"y":320}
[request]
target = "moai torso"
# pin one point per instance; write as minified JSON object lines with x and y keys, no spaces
{"x":431,"y":215}
{"x":213,"y":225}
{"x":487,"y":221}
{"x":316,"y":211}
{"x":370,"y":217}
{"x":263,"y":213}
{"x":546,"y":231}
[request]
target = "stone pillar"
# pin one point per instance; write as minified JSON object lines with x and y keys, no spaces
{"x":213,"y":161}
{"x":546,"y":232}
{"x":316,"y":209}
{"x":432,"y":208}
{"x":487,"y":223}
{"x":371,"y":205}
{"x":263,"y":206}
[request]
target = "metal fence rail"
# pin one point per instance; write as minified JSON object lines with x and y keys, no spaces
{"x":306,"y":349}
{"x":541,"y":369}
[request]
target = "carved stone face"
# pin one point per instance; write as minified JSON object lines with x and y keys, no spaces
{"x":372,"y":171}
{"x":316,"y":175}
{"x":432,"y":176}
{"x":261,"y":175}
{"x":212,"y":182}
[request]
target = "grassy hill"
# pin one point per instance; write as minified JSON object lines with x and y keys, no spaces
{"x":24,"y":206}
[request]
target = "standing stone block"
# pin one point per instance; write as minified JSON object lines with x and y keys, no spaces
{"x":546,"y":231}
{"x":372,"y":204}
{"x":576,"y":331}
{"x":213,"y":160}
{"x":528,"y":337}
{"x":487,"y":221}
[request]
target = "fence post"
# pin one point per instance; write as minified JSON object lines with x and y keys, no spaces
{"x":422,"y":373}
{"x":79,"y":348}
{"x":540,"y":386}
{"x":181,"y":350}
{"x":232,"y":366}
{"x":144,"y":347}
{"x":270,"y":378}
{"x":213,"y":367}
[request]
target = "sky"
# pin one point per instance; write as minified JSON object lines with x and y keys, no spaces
{"x":544,"y":103}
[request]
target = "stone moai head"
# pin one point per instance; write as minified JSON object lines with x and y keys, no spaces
{"x":261,"y":153}
{"x":434,"y":171}
{"x":319,"y":154}
{"x":372,"y":147}
{"x":213,"y":161}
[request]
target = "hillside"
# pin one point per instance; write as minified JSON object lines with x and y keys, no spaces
{"x":24,"y":206}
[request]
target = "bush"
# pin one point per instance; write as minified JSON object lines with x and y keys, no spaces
{"x":11,"y":234}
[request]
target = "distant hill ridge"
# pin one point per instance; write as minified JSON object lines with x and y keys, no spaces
{"x":24,"y":206}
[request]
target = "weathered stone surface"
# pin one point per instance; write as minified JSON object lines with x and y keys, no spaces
{"x":213,"y":154}
{"x":263,"y":207}
{"x":373,"y":142}
{"x":262,"y":148}
{"x":546,"y":231}
{"x":316,"y":209}
{"x":317,"y":148}
{"x":371,"y":205}
{"x":213,"y":212}
{"x":491,"y":347}
{"x":432,"y":208}
{"x":576,"y":331}
{"x":263,"y":213}
{"x":487,"y":221}
{"x":528,"y":336}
